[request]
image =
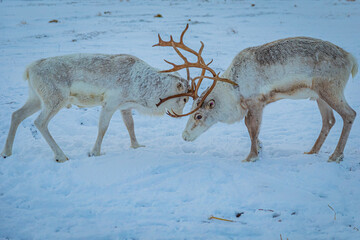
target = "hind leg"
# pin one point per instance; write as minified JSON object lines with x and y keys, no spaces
{"x":252,"y":122}
{"x":328,"y":121}
{"x":32,"y":105}
{"x":339,"y":104}
{"x":48,"y":111}
{"x":129,"y":123}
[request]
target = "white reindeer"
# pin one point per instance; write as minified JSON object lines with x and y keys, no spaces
{"x":292,"y":68}
{"x":121,"y":82}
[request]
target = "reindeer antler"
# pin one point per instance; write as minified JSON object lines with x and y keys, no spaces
{"x":200,"y":63}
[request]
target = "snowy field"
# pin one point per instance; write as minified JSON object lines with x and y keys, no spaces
{"x":170,"y":188}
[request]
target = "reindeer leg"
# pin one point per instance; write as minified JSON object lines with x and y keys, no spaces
{"x":328,"y":121}
{"x":339,"y":104}
{"x":252,"y":122}
{"x":105,"y":117}
{"x":129,"y":123}
{"x":32,"y":105}
{"x":48,"y":111}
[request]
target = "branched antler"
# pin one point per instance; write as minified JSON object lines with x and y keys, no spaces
{"x":200,"y":63}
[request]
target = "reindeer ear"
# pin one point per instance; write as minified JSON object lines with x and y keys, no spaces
{"x":180,"y":87}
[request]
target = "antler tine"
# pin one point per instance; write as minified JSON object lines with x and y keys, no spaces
{"x":179,"y":44}
{"x":217,"y":78}
{"x":187,"y":94}
{"x":160,"y":40}
{"x":201,"y":78}
{"x":169,"y":63}
{"x":179,"y":53}
{"x":200,"y":59}
{"x":193,"y":84}
{"x":207,"y":94}
{"x":175,"y":67}
{"x":171,"y":114}
{"x":183,"y":33}
{"x":188,"y":74}
{"x":175,"y":115}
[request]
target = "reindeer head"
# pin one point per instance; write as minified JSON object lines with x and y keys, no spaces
{"x":210,"y":107}
{"x":217,"y":107}
{"x":195,"y":82}
{"x":175,"y":85}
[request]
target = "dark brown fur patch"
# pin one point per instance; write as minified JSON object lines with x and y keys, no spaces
{"x":272,"y":96}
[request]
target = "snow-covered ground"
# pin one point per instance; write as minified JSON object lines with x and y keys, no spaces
{"x":169,"y":189}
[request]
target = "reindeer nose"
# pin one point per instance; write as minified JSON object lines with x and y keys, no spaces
{"x":186,"y":136}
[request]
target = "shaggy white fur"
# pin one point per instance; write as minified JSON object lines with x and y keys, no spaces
{"x":292,"y":68}
{"x":115,"y":82}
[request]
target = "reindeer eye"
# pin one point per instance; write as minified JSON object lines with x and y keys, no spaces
{"x":211,"y":104}
{"x":198,"y":116}
{"x":184,"y":100}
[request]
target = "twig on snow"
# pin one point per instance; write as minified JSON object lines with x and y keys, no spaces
{"x":221,"y":219}
{"x":333,"y":211}
{"x":266,"y":210}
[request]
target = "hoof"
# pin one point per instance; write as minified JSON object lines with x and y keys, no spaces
{"x":93,"y":154}
{"x":4,"y":155}
{"x":337,"y":159}
{"x":61,"y":160}
{"x":251,"y":159}
{"x":137,"y":146}
{"x":311,"y":152}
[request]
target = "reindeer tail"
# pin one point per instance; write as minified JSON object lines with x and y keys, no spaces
{"x":26,"y":74}
{"x":355,"y":65}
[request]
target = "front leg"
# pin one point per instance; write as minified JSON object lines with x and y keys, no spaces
{"x":129,"y":123}
{"x":252,"y":122}
{"x":105,"y":117}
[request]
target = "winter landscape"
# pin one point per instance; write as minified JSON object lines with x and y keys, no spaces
{"x":170,"y":189}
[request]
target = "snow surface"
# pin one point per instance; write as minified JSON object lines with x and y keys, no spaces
{"x":169,"y":189}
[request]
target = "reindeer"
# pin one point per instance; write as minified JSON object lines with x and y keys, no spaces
{"x":114,"y":82}
{"x":291,"y":68}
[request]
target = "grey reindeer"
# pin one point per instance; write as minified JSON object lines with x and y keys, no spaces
{"x":291,"y":68}
{"x":114,"y":82}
